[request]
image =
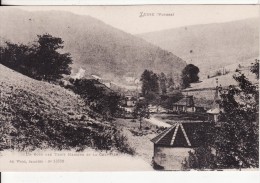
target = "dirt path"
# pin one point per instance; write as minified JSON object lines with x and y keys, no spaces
{"x":157,"y":122}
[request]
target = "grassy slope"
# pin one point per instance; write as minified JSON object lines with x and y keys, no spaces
{"x":36,"y":114}
{"x":223,"y":80}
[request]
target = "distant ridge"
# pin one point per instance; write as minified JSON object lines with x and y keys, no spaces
{"x":211,"y":46}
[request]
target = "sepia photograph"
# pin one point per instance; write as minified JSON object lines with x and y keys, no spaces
{"x":129,"y":88}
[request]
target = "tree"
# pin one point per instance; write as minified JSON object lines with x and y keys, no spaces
{"x":141,"y":111}
{"x":16,"y":57}
{"x":162,"y":81}
{"x":40,"y":61}
{"x":150,"y":85}
{"x":145,"y":79}
{"x":51,"y":64}
{"x":189,"y":75}
{"x":170,"y":84}
{"x":255,"y":68}
{"x":203,"y":157}
{"x":237,"y":141}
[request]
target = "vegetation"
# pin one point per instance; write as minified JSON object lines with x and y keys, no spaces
{"x":92,"y":46}
{"x":40,"y":118}
{"x":157,"y":88}
{"x":203,"y":156}
{"x":141,"y":111}
{"x":41,"y":61}
{"x":101,"y":99}
{"x":150,"y":83}
{"x":168,"y":100}
{"x":39,"y":115}
{"x":162,"y":83}
{"x":255,"y":68}
{"x":189,"y":75}
{"x":236,"y":141}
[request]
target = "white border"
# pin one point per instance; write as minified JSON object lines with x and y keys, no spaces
{"x":130,"y":177}
{"x":123,"y":2}
{"x":133,"y":177}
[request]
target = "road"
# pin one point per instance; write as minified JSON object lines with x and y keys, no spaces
{"x":157,"y":122}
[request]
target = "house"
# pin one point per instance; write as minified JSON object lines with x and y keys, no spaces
{"x":184,"y":105}
{"x":202,"y":105}
{"x":172,"y":146}
{"x":128,"y":105}
{"x":130,"y":101}
{"x":152,"y":108}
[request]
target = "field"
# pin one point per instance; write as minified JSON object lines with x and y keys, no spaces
{"x":223,"y":80}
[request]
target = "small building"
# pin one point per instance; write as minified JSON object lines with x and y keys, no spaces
{"x":152,"y":108}
{"x":172,"y":146}
{"x":214,"y":112}
{"x":128,"y":104}
{"x":184,"y":105}
{"x":130,"y":101}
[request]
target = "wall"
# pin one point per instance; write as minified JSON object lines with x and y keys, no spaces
{"x":170,"y":157}
{"x":191,"y":109}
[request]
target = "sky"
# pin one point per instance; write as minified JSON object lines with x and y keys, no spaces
{"x":127,"y":18}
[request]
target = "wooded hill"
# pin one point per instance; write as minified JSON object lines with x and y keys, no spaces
{"x":94,"y":46}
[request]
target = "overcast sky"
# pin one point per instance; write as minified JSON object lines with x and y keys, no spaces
{"x":127,"y":18}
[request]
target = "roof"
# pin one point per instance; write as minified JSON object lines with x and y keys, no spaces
{"x":201,"y":102}
{"x":104,"y":87}
{"x":95,"y":76}
{"x":180,"y":135}
{"x":214,"y":111}
{"x":186,"y":101}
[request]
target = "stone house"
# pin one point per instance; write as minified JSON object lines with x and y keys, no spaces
{"x":172,"y":146}
{"x":184,"y":105}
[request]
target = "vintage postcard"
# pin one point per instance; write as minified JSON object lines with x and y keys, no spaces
{"x":129,"y":88}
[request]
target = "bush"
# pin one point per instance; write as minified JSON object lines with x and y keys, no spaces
{"x":35,"y":132}
{"x":100,"y":99}
{"x":122,"y":143}
{"x":201,"y":158}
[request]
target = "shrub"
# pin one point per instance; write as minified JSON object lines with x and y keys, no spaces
{"x":122,"y":143}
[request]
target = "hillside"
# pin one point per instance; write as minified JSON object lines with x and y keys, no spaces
{"x":205,"y":89}
{"x":211,"y":46}
{"x":38,"y":115}
{"x":95,"y":46}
